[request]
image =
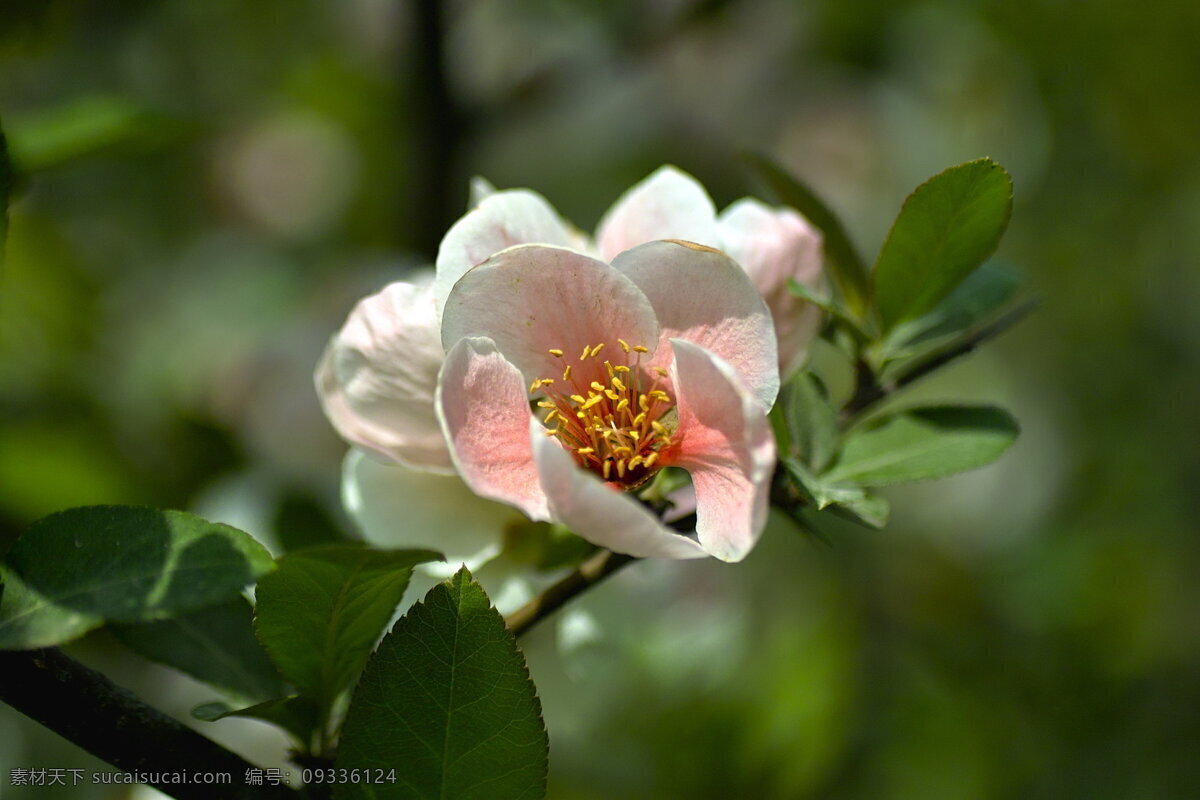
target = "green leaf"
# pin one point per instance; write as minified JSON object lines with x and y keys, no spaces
{"x":846,"y":499}
{"x":77,"y":569}
{"x":297,"y":715}
{"x":924,"y":443}
{"x":320,"y":613}
{"x":77,"y":128}
{"x":978,"y":298}
{"x":831,"y":307}
{"x":447,"y":701}
{"x":845,"y":266}
{"x":946,"y":228}
{"x":812,"y":421}
{"x":215,"y":645}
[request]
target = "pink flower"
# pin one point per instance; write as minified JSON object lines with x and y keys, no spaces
{"x":665,"y":358}
{"x":378,"y":376}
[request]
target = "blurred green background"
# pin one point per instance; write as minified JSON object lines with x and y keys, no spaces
{"x":207,"y":186}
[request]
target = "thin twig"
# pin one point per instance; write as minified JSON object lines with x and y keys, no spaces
{"x":585,"y":576}
{"x":86,"y":708}
{"x":868,"y":392}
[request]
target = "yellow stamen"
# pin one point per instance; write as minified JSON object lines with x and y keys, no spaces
{"x":611,"y":395}
{"x":640,"y":418}
{"x":554,"y":351}
{"x":621,"y":368}
{"x":584,"y":354}
{"x":620,"y":468}
{"x":586,"y":451}
{"x":578,"y":398}
{"x":607,"y":468}
{"x":616,"y":382}
{"x":592,"y":401}
{"x":633,"y":462}
{"x":567,"y":373}
{"x":650,"y":459}
{"x":622,"y":450}
{"x":597,"y":385}
{"x":545,"y":404}
{"x":661,"y":371}
{"x":624,"y":345}
{"x":624,"y":404}
{"x":596,"y":350}
{"x":639,"y":349}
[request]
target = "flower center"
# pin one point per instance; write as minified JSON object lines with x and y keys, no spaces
{"x":614,"y":418}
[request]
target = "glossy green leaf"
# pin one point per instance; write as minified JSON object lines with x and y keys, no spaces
{"x":447,"y":701}
{"x":77,"y":569}
{"x":215,"y":645}
{"x":320,"y":613}
{"x":978,"y":298}
{"x":923,"y":443}
{"x":297,"y":715}
{"x":946,"y":228}
{"x":812,"y":420}
{"x":842,"y":261}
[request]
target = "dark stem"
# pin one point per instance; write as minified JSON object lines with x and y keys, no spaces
{"x":586,"y":575}
{"x":88,"y":709}
{"x":438,"y":129}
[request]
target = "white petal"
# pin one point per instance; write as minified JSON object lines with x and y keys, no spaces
{"x":397,"y":507}
{"x":377,"y":378}
{"x":501,"y":220}
{"x":670,"y":204}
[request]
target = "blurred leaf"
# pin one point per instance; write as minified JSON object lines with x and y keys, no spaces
{"x":946,"y":228}
{"x":831,"y":307}
{"x":75,"y":570}
{"x":297,"y":715}
{"x":846,"y":499}
{"x":545,"y":545}
{"x":447,"y":701}
{"x":812,"y":420}
{"x":923,"y":443}
{"x":215,"y":645}
{"x":6,"y":184}
{"x":984,"y":292}
{"x":320,"y":613}
{"x":75,"y":129}
{"x":301,"y":521}
{"x":846,"y":267}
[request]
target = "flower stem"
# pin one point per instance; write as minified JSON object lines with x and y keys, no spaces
{"x":586,"y":575}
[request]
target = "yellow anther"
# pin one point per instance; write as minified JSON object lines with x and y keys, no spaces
{"x":597,"y":385}
{"x":620,"y":468}
{"x":634,"y":435}
{"x":567,"y":373}
{"x":607,"y":468}
{"x":633,"y":462}
{"x":551,"y":417}
{"x":593,"y":400}
{"x":585,"y":352}
{"x":596,"y":350}
{"x":616,"y":382}
{"x":622,"y":450}
{"x":578,"y":398}
{"x":545,"y":404}
{"x":554,"y":351}
{"x":624,"y":345}
{"x":606,"y":433}
{"x":639,"y":349}
{"x":624,"y":404}
{"x":611,"y":395}
{"x":552,"y":432}
{"x":659,"y":394}
{"x":546,"y":381}
{"x":640,"y":418}
{"x":608,"y":366}
{"x":661,"y":371}
{"x":659,"y":428}
{"x":650,"y":459}
{"x":586,"y":451}
{"x":621,"y":368}
{"x":533,"y":387}
{"x":643,"y":403}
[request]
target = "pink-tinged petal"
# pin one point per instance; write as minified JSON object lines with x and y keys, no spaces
{"x":670,"y":204}
{"x":484,"y":411}
{"x":531,"y":299}
{"x":599,"y":513}
{"x":397,"y":507}
{"x":725,"y":443}
{"x":378,"y":375}
{"x":701,"y":295}
{"x":775,"y":246}
{"x":501,"y":220}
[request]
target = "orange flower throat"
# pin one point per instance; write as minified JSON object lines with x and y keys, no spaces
{"x":613,"y":428}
